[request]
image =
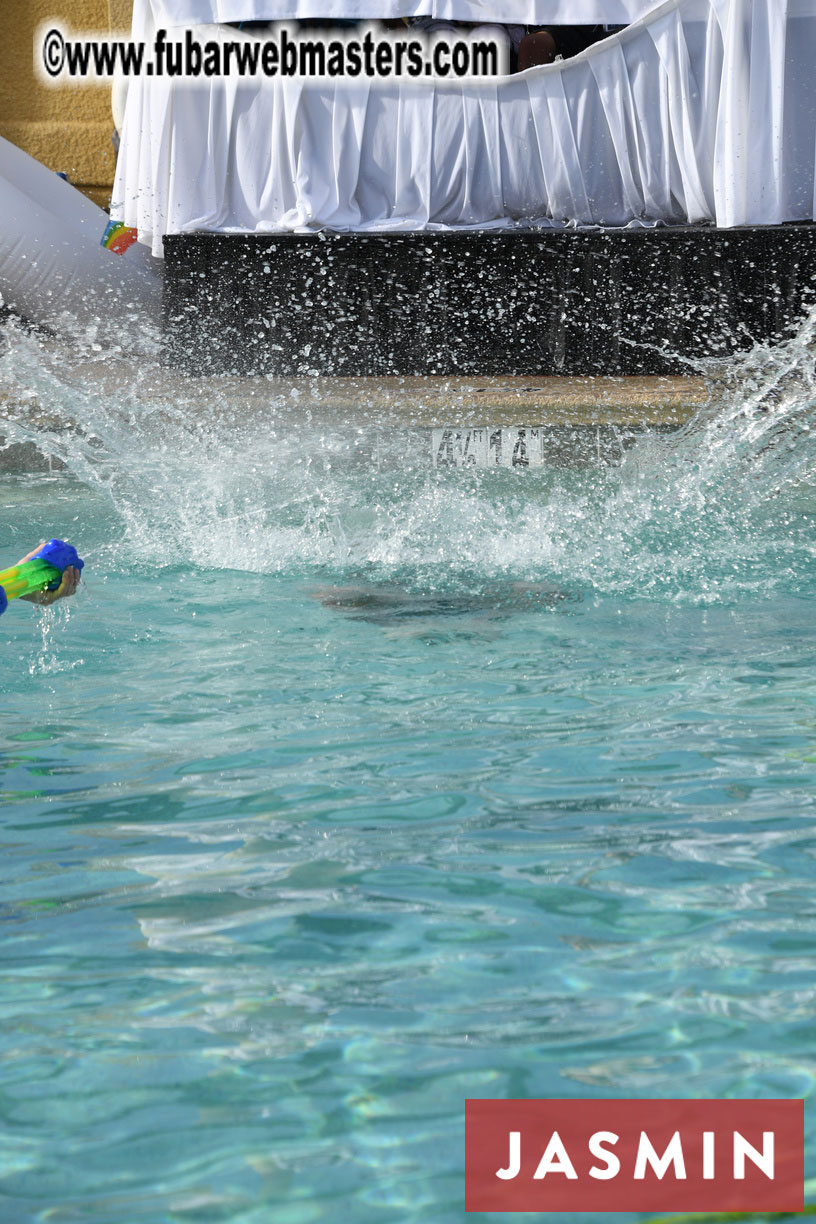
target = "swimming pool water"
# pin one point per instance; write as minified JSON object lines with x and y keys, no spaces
{"x":340,"y":795}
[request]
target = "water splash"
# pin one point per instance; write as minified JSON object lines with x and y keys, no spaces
{"x":228,"y":474}
{"x":47,"y":659}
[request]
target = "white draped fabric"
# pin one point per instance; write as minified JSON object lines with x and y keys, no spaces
{"x":527,"y":12}
{"x":704,"y":111}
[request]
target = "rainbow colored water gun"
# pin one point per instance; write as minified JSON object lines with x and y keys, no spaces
{"x":42,"y":572}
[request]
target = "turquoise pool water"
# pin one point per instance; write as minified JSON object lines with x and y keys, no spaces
{"x":339,"y":795}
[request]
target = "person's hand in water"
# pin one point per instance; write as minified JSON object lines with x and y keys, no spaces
{"x":68,"y":586}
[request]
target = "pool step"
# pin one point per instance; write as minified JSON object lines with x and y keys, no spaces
{"x":435,"y":401}
{"x":454,"y":421}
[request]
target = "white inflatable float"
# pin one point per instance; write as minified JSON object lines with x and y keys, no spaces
{"x":53,"y":268}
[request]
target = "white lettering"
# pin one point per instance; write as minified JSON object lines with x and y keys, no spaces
{"x":514,"y":1162}
{"x":555,"y":1160}
{"x":611,"y":1161}
{"x":672,"y":1155}
{"x":763,"y":1160}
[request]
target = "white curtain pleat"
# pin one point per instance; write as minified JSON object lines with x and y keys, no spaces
{"x":704,"y":111}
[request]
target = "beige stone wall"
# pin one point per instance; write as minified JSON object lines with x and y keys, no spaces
{"x":68,"y":128}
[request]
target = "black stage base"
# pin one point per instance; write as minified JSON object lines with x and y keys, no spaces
{"x":482,"y":302}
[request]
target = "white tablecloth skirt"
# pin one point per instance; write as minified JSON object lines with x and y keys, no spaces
{"x":703,"y":111}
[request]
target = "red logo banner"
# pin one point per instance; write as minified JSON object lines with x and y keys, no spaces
{"x":651,"y":1155}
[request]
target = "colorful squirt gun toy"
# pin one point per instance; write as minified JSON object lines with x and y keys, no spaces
{"x":42,"y":572}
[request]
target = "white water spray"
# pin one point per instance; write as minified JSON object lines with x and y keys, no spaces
{"x":225,"y":474}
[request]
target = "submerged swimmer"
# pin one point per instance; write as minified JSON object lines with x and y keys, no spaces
{"x":387,"y":603}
